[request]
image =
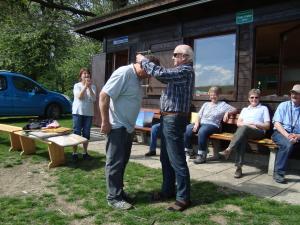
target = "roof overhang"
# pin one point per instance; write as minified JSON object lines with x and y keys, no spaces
{"x":141,"y":14}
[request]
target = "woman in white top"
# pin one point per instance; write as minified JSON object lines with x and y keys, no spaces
{"x":252,"y":123}
{"x":83,"y":109}
{"x":208,"y":122}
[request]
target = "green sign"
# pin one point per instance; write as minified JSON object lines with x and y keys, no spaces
{"x":243,"y":17}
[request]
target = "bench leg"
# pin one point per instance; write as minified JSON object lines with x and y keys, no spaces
{"x":216,"y":147}
{"x":56,"y":154}
{"x":28,"y":145}
{"x":15,"y":143}
{"x":271,"y":165}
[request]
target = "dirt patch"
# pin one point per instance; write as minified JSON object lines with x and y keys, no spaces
{"x":25,"y":179}
{"x":219,"y":220}
{"x":233,"y":208}
{"x":35,"y":179}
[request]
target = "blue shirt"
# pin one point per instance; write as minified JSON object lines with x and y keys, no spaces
{"x":288,"y":115}
{"x":125,"y":91}
{"x":177,"y":95}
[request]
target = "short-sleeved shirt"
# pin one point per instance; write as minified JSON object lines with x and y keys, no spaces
{"x":84,"y":106}
{"x":288,"y":115}
{"x":214,"y":113}
{"x":257,"y":115}
{"x":124,"y":89}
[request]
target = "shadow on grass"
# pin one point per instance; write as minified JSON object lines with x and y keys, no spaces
{"x":202,"y":193}
{"x":96,"y":162}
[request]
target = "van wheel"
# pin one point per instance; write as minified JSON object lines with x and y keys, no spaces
{"x":53,"y":111}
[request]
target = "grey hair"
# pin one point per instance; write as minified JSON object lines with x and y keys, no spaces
{"x":255,"y":92}
{"x":189,"y":53}
{"x":215,"y":89}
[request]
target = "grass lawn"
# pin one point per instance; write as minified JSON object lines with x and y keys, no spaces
{"x":75,"y":194}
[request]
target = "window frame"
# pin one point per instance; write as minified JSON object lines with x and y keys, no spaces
{"x":5,"y":82}
{"x":226,"y":97}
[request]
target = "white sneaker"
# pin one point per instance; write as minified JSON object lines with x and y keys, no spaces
{"x":121,"y":205}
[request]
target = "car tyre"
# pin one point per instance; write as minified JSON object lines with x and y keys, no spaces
{"x":53,"y":111}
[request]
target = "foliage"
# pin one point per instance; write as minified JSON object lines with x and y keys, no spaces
{"x":36,"y":38}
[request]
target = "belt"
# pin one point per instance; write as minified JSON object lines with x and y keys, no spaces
{"x":174,"y":113}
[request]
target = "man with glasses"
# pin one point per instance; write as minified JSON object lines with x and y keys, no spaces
{"x":175,"y":103}
{"x":286,"y":132}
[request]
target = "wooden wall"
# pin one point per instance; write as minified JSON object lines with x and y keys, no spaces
{"x":221,"y":20}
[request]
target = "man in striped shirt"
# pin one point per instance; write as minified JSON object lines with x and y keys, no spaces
{"x":175,"y":103}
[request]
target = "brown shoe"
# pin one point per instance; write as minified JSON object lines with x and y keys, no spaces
{"x":225,"y":153}
{"x":238,"y":173}
{"x":179,"y":206}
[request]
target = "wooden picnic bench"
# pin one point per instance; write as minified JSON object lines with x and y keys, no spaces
{"x":25,"y":141}
{"x":144,"y":131}
{"x":227,"y":136}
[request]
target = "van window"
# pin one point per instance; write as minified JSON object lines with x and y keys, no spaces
{"x":25,"y":85}
{"x":3,"y":83}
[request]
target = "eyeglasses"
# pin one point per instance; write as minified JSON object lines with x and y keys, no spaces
{"x":252,"y":97}
{"x":176,"y":55}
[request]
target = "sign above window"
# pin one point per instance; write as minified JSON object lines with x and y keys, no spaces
{"x":120,"y":40}
{"x":244,"y":17}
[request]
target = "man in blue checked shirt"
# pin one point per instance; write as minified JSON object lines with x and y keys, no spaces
{"x":175,"y":103}
{"x":286,"y":132}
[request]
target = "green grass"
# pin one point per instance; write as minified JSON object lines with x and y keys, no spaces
{"x":83,"y":185}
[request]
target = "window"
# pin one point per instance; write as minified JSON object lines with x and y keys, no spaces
{"x":215,"y":63}
{"x":3,"y":83}
{"x":277,"y":64}
{"x":25,"y":85}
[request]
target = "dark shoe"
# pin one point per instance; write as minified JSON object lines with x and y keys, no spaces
{"x":75,"y":157}
{"x":190,"y":155}
{"x":150,"y":153}
{"x":86,"y":156}
{"x":179,"y":206}
{"x":159,"y":197}
{"x":238,"y":173}
{"x":200,"y":159}
{"x":128,"y":198}
{"x":279,"y":178}
{"x":225,"y":153}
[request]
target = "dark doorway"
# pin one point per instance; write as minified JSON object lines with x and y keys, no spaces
{"x":277,"y":64}
{"x":115,"y":60}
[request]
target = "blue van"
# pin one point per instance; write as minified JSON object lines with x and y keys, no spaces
{"x":22,"y":96}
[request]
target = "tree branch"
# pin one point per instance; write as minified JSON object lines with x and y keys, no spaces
{"x":53,"y":5}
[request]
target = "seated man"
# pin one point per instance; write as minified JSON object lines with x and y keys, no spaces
{"x":155,"y":133}
{"x":286,"y":132}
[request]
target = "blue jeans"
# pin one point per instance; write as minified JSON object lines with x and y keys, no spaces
{"x":82,"y":125}
{"x":172,"y":157}
{"x":285,"y":148}
{"x":118,"y":149}
{"x":204,"y":132}
{"x":155,"y":133}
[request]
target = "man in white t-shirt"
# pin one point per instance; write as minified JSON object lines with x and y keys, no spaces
{"x":120,"y":101}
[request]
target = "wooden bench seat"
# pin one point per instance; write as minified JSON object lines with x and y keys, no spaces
{"x":146,"y":130}
{"x":15,"y":143}
{"x":25,"y":142}
{"x":226,"y":136}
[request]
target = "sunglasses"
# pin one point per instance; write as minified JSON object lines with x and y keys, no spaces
{"x":175,"y":55}
{"x":252,"y":97}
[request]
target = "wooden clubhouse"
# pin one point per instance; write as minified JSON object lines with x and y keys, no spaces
{"x":238,"y":45}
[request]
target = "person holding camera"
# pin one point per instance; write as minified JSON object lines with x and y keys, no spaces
{"x":83,"y":109}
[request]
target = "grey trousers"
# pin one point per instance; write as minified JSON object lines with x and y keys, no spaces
{"x":118,"y":149}
{"x":240,"y":140}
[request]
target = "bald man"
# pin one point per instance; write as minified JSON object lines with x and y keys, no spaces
{"x":175,"y":103}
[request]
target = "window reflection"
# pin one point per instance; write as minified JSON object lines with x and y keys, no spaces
{"x":215,"y":63}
